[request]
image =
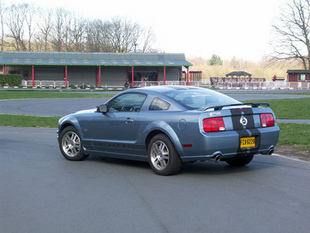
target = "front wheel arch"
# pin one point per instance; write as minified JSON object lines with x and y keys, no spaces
{"x":63,"y":126}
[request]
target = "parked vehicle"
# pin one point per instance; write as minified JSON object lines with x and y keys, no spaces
{"x":170,"y":125}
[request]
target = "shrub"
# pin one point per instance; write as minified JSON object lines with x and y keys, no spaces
{"x":10,"y":79}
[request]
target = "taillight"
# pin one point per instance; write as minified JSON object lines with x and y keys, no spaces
{"x":213,"y":124}
{"x":267,"y":120}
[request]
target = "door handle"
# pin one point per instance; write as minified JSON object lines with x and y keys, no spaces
{"x":128,"y":120}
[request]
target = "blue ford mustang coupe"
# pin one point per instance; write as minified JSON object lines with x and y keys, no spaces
{"x":168,"y":126}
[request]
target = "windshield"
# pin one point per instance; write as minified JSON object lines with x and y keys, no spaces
{"x":200,"y":98}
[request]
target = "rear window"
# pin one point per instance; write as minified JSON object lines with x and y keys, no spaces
{"x":159,"y":104}
{"x":200,"y":98}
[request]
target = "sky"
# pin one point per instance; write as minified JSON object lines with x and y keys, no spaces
{"x":197,"y":28}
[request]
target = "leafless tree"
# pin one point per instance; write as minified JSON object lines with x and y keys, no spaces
{"x":97,"y":36}
{"x":119,"y":36}
{"x":15,"y":23}
{"x":77,"y":33}
{"x":59,"y":36}
{"x":66,"y":38}
{"x":115,"y":34}
{"x":292,"y":33}
{"x":2,"y":23}
{"x":123,"y":35}
{"x":29,"y":12}
{"x":147,"y":40}
{"x":45,"y":26}
{"x":32,"y":28}
{"x":131,"y":34}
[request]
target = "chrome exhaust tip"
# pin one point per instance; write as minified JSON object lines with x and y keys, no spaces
{"x":217,"y":157}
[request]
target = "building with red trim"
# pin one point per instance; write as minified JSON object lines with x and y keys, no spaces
{"x":191,"y":75}
{"x":95,"y":69}
{"x":298,"y":75}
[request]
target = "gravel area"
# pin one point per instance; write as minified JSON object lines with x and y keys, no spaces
{"x":293,"y":152}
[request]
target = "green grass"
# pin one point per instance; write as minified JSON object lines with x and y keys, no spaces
{"x":295,"y":134}
{"x":289,"y":108}
{"x":28,"y":121}
{"x":48,"y":94}
{"x":291,"y":93}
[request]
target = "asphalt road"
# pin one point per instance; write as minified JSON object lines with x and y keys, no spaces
{"x":40,"y":191}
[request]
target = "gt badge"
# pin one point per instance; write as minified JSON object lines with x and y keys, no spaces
{"x":243,"y":121}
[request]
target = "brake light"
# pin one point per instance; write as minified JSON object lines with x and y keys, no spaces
{"x":267,"y":120}
{"x":214,"y":124}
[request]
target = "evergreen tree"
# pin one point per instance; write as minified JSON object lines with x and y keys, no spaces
{"x":215,"y":60}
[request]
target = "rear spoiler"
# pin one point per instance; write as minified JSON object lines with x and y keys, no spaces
{"x":253,"y":105}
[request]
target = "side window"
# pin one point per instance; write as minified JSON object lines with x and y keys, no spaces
{"x":131,"y":102}
{"x":159,"y":104}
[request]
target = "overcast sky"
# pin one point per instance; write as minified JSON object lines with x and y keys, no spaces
{"x":198,"y":28}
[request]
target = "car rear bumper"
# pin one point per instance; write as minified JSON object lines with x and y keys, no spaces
{"x":226,"y":145}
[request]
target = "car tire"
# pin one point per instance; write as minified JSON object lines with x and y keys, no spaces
{"x":163,"y":157}
{"x":71,"y":145}
{"x":240,"y":161}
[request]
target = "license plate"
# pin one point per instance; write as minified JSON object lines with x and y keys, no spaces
{"x":247,"y":142}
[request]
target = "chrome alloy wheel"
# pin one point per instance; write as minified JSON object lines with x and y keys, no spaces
{"x":159,"y":155}
{"x":71,"y":144}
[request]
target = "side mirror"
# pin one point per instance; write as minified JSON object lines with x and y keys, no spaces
{"x":102,"y":108}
